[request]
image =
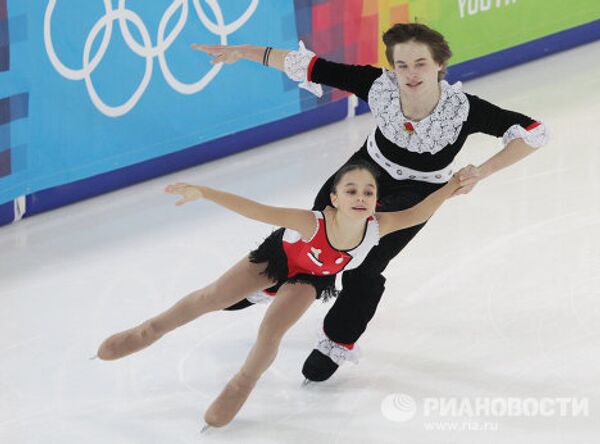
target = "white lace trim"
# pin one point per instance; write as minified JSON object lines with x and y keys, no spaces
{"x":336,"y":352}
{"x":432,"y":134}
{"x":260,"y":297}
{"x":535,"y":137}
{"x":295,"y":65}
{"x":400,"y":172}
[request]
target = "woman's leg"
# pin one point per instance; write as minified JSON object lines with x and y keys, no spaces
{"x":243,"y":278}
{"x":291,"y":302}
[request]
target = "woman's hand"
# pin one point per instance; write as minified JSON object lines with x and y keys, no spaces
{"x":468,"y":178}
{"x":222,"y":54}
{"x":454,"y":182}
{"x":186,"y":191}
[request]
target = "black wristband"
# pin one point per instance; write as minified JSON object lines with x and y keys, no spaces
{"x":266,"y":55}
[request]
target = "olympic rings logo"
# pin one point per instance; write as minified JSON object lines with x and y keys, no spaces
{"x":145,"y":49}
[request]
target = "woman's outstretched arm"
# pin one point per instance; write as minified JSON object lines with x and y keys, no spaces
{"x":420,"y":213}
{"x":302,"y":221}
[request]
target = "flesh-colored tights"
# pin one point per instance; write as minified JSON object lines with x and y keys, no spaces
{"x":242,"y":279}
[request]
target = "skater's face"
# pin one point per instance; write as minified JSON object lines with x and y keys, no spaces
{"x":356,"y":194}
{"x":415,"y":68}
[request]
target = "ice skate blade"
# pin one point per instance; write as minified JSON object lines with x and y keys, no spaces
{"x":306,"y":382}
{"x":205,"y":428}
{"x":93,"y":357}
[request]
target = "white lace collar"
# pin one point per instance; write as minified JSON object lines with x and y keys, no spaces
{"x":431,"y":134}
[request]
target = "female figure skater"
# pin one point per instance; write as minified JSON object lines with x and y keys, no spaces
{"x":422,"y":123}
{"x":301,"y":259}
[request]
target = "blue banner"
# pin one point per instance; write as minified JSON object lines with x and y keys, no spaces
{"x":99,"y":94}
{"x":98,"y":85}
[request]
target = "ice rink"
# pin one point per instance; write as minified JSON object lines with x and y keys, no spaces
{"x":498,"y":297}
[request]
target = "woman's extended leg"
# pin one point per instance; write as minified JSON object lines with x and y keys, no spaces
{"x":241,"y":279}
{"x":291,"y":302}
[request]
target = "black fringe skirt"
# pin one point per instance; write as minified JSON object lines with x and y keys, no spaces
{"x":271,"y":252}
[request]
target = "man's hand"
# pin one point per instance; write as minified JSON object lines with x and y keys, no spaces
{"x":221,"y":53}
{"x":468,"y":177}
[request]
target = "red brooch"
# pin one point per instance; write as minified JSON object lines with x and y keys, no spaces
{"x":409,"y":128}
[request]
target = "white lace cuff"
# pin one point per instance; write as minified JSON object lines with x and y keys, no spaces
{"x":260,"y":297}
{"x":535,"y":137}
{"x":295,"y":66}
{"x":336,"y":352}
